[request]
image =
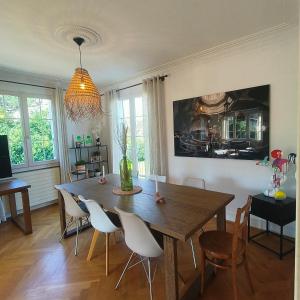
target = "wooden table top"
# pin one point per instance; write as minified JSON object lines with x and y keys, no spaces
{"x":12,"y":185}
{"x":186,"y":209}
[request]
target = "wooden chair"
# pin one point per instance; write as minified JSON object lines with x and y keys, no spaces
{"x":226,"y":250}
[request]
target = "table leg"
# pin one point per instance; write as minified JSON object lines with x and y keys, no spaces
{"x":26,"y":212}
{"x":281,"y":238}
{"x":12,"y":205}
{"x":170,"y":261}
{"x":267,"y":227}
{"x":221,"y":219}
{"x":62,"y":213}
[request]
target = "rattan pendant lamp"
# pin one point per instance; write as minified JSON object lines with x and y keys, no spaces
{"x":82,"y":99}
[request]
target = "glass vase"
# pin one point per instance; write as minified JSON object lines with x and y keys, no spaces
{"x":126,"y":174}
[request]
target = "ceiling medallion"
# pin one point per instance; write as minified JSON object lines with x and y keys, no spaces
{"x":64,"y":35}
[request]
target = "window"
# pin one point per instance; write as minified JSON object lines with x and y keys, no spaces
{"x":133,"y":114}
{"x":28,"y":121}
{"x":243,"y":126}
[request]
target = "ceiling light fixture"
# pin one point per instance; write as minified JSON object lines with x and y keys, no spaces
{"x":82,"y":99}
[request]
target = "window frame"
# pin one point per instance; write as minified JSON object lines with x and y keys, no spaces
{"x":247,"y":131}
{"x":30,"y":164}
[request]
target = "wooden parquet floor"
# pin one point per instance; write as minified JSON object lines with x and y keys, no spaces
{"x":37,"y":266}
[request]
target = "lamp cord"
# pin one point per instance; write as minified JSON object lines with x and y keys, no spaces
{"x":80,"y":62}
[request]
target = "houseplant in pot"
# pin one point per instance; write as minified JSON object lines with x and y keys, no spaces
{"x":125,"y":163}
{"x":80,"y":166}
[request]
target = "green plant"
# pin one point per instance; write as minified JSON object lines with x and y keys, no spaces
{"x":80,"y":162}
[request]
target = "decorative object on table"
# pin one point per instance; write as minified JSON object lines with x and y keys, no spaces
{"x":88,"y":141}
{"x":158,"y":198}
{"x":232,"y":125}
{"x":102,"y":179}
{"x":118,"y":191}
{"x":125,"y":163}
{"x":280,"y":168}
{"x":82,"y":99}
{"x":80,"y":166}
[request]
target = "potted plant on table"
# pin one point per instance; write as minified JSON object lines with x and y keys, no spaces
{"x":80,"y":166}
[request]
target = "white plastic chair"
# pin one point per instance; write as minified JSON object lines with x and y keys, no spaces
{"x":158,"y":177}
{"x":140,"y":241}
{"x":74,"y":211}
{"x":200,"y":184}
{"x":101,"y":222}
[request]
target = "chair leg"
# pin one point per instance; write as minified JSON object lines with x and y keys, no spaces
{"x":125,"y":269}
{"x":67,"y":226}
{"x":76,"y":240}
{"x":234,"y":280}
{"x":248,"y":274}
{"x":93,"y":244}
{"x":106,"y":253}
{"x":202,"y":269}
{"x":193,"y":253}
{"x":149,"y":277}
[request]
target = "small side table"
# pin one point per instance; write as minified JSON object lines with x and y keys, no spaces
{"x":10,"y":187}
{"x":280,"y":212}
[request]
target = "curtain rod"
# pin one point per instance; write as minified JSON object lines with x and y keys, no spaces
{"x":53,"y":88}
{"x":29,"y":84}
{"x":162,"y":78}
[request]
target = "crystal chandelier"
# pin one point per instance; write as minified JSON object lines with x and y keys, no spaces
{"x":82,"y":99}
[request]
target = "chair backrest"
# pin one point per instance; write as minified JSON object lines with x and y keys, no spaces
{"x":194,"y":182}
{"x":99,"y":218}
{"x":71,"y":206}
{"x":240,"y":229}
{"x":158,"y":177}
{"x":138,"y":237}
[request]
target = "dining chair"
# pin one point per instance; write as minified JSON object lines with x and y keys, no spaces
{"x":197,"y":183}
{"x":158,"y":177}
{"x":226,"y":250}
{"x":74,"y":211}
{"x":101,"y":223}
{"x":141,"y":242}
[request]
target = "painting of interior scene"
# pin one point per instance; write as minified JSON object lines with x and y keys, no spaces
{"x":232,"y":125}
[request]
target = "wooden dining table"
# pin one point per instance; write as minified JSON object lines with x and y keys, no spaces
{"x":185,"y":211}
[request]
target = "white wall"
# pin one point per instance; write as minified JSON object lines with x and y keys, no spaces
{"x":271,"y":60}
{"x":268,"y":59}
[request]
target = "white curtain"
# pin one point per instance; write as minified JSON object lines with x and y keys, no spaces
{"x":112,"y":98}
{"x":62,"y":136}
{"x":154,"y":95}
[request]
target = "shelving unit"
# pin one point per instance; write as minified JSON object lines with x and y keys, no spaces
{"x":86,"y":153}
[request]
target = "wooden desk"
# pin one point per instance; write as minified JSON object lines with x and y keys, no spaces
{"x":186,"y":210}
{"x":10,"y":187}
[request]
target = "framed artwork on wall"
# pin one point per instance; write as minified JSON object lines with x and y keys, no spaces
{"x":228,"y":125}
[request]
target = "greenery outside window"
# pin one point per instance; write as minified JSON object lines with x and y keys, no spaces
{"x":28,"y":121}
{"x":133,"y":113}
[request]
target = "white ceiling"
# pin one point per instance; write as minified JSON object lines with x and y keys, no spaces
{"x":135,"y":34}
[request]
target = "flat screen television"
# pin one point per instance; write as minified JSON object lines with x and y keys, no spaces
{"x":5,"y":165}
